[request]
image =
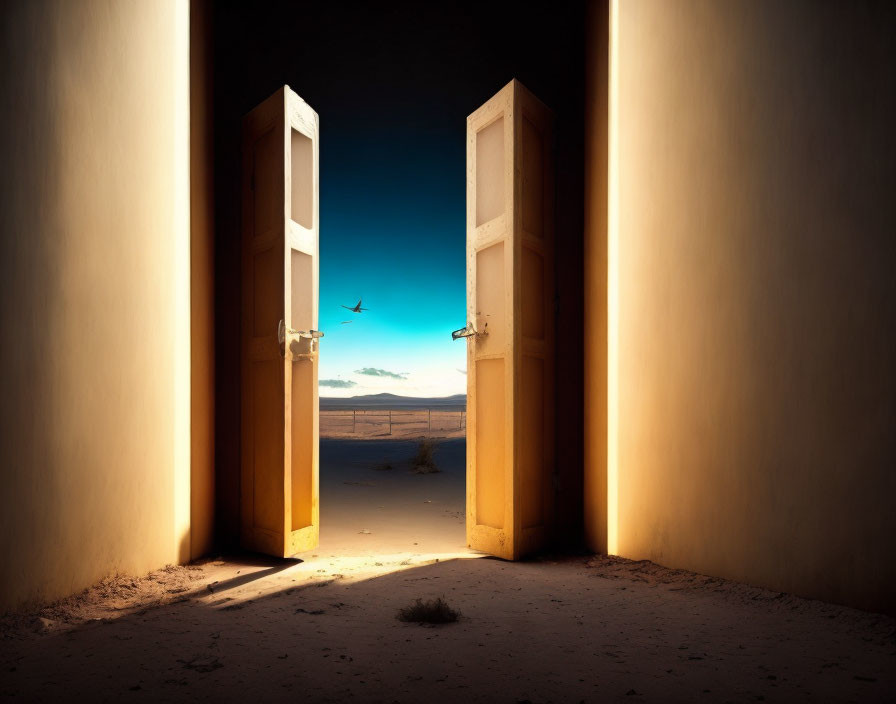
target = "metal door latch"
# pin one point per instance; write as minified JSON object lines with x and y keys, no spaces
{"x":469,"y":331}
{"x":302,"y":342}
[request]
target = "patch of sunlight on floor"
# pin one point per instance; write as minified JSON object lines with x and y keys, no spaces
{"x":238,"y":580}
{"x":378,"y":516}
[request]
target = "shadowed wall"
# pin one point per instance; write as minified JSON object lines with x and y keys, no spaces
{"x":595,"y":278}
{"x":94,"y":259}
{"x":202,"y":293}
{"x":757,"y":392}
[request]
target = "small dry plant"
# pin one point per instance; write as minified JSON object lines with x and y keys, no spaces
{"x":423,"y":461}
{"x":432,"y":611}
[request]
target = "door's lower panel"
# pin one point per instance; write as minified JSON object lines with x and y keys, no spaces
{"x":490,"y":442}
{"x":494,"y":541}
{"x":266,"y":383}
{"x":264,"y":541}
{"x":303,"y":443}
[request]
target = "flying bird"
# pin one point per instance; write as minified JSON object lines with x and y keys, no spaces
{"x":346,"y":322}
{"x":357,"y":308}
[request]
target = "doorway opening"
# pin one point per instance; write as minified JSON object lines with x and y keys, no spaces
{"x":358,"y":126}
{"x":392,"y":381}
{"x":507,"y":285}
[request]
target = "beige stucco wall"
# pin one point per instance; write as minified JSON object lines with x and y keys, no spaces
{"x":757,"y":293}
{"x":94,"y":265}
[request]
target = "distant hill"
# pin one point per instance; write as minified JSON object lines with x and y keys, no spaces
{"x":458,"y":402}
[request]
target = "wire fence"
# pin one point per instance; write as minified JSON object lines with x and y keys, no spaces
{"x":392,"y":423}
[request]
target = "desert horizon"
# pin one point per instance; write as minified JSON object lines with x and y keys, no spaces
{"x":387,"y":416}
{"x":381,"y":399}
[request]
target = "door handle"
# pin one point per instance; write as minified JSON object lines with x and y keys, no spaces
{"x":301,"y":342}
{"x":469,"y":331}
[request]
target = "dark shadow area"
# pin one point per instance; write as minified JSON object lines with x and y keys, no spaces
{"x":234,"y":582}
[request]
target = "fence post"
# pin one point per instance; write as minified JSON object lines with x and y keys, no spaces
{"x":429,"y":421}
{"x":353,"y":421}
{"x":390,"y":422}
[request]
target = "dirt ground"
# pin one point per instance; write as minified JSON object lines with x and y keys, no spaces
{"x":323,"y":628}
{"x":374,"y":502}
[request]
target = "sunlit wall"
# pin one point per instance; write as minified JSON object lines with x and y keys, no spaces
{"x":756,"y":300}
{"x":94,"y":264}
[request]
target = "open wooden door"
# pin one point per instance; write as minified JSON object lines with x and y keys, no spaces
{"x":510,"y":309}
{"x":279,"y":405}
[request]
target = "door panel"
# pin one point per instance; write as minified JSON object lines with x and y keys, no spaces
{"x":490,"y":171}
{"x":491,"y":292}
{"x":279,"y":463}
{"x":490,"y":441}
{"x":510,"y":294}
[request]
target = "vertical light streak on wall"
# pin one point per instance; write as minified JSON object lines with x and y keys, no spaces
{"x":181,"y":275}
{"x":613,"y":291}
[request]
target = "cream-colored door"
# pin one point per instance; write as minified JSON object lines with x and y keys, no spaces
{"x":510,"y":309}
{"x":279,"y":463}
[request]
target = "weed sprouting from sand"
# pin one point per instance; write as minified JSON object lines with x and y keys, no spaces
{"x":423,"y":462}
{"x":432,"y":611}
{"x":383,"y":466}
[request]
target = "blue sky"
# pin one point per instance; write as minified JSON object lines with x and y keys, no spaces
{"x":393,"y":84}
{"x":392,"y":230}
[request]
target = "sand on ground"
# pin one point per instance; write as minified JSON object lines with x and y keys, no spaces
{"x":375,"y":501}
{"x":323,"y":629}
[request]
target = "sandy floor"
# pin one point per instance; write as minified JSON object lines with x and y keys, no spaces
{"x":552,"y":630}
{"x":374,"y":503}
